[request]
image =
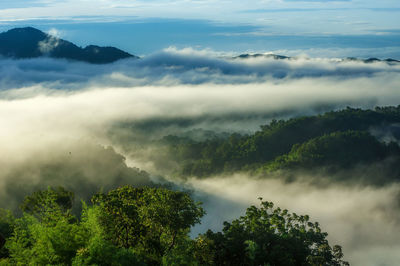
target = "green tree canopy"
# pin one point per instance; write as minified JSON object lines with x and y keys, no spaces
{"x":150,"y":226}
{"x":43,"y":202}
{"x":278,"y":138}
{"x":47,"y":233}
{"x":272,"y":236}
{"x":147,"y":219}
{"x":339,"y":149}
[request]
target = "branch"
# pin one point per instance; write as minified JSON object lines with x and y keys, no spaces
{"x":173,"y":241}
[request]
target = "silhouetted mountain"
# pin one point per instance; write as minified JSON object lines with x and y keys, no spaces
{"x":372,"y":60}
{"x":274,"y":56}
{"x":280,"y":57}
{"x":390,"y":60}
{"x":30,"y":43}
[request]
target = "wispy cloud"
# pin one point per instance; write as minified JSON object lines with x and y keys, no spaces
{"x":9,"y":4}
{"x":236,"y":12}
{"x":318,"y":9}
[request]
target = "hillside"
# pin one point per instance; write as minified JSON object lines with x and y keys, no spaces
{"x":338,"y":140}
{"x":29,"y":42}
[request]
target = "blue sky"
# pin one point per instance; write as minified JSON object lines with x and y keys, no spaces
{"x":316,"y":27}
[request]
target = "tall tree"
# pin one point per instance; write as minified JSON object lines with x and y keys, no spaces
{"x":272,"y":236}
{"x":148,"y":219}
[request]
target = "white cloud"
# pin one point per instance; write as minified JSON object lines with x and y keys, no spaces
{"x":51,"y":42}
{"x":327,"y":13}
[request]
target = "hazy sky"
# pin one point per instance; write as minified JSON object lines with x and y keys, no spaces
{"x":316,"y":27}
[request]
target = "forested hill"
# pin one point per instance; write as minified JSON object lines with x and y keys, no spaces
{"x":31,"y":43}
{"x":337,"y":140}
{"x":150,"y":226}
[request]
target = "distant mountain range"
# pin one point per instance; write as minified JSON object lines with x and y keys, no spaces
{"x":280,"y":57}
{"x":31,"y":43}
{"x":274,"y":56}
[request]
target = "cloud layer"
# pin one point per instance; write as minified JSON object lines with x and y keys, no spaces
{"x":54,"y":115}
{"x":42,"y":99}
{"x":185,"y":66}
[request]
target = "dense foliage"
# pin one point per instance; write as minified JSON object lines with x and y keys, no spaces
{"x":282,"y":143}
{"x":150,"y":226}
{"x":269,"y":235}
{"x":148,"y":219}
{"x":338,"y":149}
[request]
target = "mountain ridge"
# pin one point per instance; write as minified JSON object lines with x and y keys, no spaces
{"x":347,"y":59}
{"x":29,"y":42}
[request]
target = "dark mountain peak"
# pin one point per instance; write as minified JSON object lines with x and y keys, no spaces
{"x":100,"y":55}
{"x":274,"y":56}
{"x":25,"y":30}
{"x":92,"y":48}
{"x":372,"y":60}
{"x":21,"y":35}
{"x":31,"y":43}
{"x":389,"y":61}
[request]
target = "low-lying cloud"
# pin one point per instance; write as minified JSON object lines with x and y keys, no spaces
{"x":46,"y":101}
{"x":189,"y":83}
{"x":187,"y":66}
{"x":80,"y":166}
{"x":50,"y":43}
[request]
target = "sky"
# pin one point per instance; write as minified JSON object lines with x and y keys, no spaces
{"x":318,"y":28}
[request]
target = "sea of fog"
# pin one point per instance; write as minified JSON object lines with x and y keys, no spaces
{"x":57,"y":113}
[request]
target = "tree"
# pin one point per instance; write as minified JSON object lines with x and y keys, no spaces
{"x":98,"y":250}
{"x":150,"y":220}
{"x":44,"y":204}
{"x":273,"y":143}
{"x":149,"y":226}
{"x":271,"y":236}
{"x":340,"y":150}
{"x":47,"y":233}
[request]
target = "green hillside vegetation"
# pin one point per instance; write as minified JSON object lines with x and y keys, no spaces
{"x":275,"y":145}
{"x":338,"y":150}
{"x":150,"y":226}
